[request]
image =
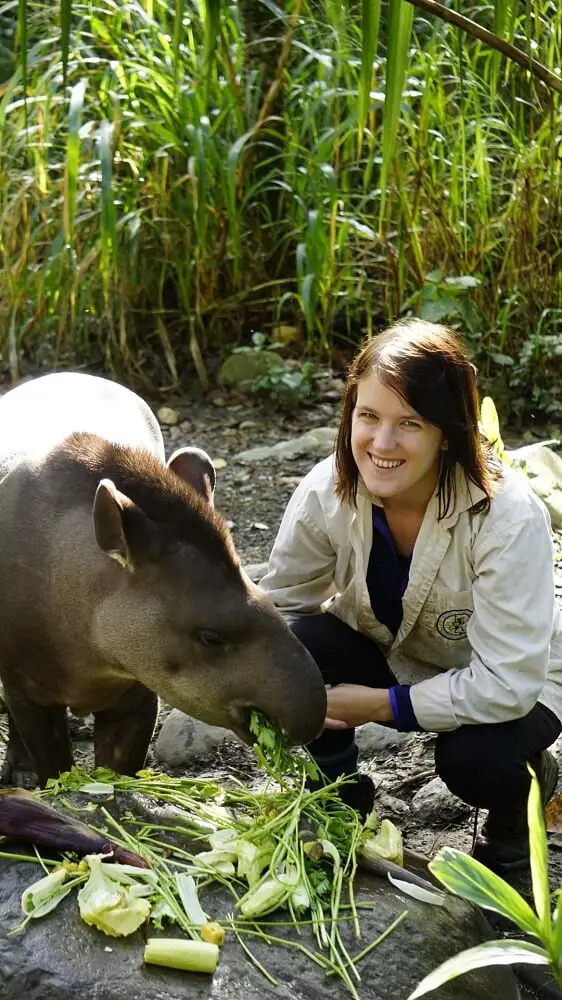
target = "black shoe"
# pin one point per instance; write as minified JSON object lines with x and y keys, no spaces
{"x":503,"y":845}
{"x":359,"y":794}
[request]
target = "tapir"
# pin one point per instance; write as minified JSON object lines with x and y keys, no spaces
{"x":121,"y":583}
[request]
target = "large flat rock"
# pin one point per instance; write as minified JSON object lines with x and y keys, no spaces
{"x":61,"y":958}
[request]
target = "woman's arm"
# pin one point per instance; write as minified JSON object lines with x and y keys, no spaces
{"x":509,"y":631}
{"x":300,"y":575}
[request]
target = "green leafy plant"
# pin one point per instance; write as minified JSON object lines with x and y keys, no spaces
{"x":448,"y":298}
{"x":466,"y":877}
{"x":145,"y":218}
{"x":286,"y":384}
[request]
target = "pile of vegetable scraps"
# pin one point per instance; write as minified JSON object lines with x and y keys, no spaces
{"x":286,"y":848}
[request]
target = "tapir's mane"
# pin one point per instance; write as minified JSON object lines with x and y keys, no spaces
{"x":158,"y":491}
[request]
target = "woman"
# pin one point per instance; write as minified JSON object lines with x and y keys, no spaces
{"x":419,"y":573}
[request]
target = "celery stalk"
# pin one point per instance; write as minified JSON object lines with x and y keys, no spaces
{"x":176,"y":953}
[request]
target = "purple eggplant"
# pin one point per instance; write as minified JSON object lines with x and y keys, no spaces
{"x":25,"y":817}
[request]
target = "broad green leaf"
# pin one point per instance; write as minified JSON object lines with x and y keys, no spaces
{"x":400,"y":18}
{"x":465,"y":876}
{"x":439,"y":309}
{"x":506,"y":952}
{"x":370,"y":21}
{"x":539,"y":855}
{"x":490,"y":424}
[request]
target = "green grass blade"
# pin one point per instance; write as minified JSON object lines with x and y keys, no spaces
{"x":178,"y":32}
{"x":400,"y":18}
{"x":211,"y":20}
{"x":539,"y":855}
{"x":72,"y":157}
{"x":65,"y":16}
{"x":370,"y":21}
{"x":466,"y":877}
{"x":109,"y":229}
{"x":557,"y":930}
{"x":505,"y":952}
{"x":22,"y":42}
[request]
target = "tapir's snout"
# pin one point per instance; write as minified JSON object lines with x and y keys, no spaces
{"x":292,"y":695}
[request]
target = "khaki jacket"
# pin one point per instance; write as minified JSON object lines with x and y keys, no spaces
{"x":480,"y":639}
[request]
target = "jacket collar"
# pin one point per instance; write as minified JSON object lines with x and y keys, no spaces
{"x":466,"y":495}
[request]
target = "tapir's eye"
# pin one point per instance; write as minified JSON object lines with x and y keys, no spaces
{"x":208,"y":638}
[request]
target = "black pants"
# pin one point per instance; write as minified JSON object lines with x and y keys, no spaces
{"x":484,"y":765}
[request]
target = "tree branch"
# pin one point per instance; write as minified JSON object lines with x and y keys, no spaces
{"x":552,"y":80}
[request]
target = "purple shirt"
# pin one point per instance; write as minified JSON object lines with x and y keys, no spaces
{"x":387,"y":579}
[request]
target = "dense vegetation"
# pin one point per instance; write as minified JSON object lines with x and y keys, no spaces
{"x":152,"y":213}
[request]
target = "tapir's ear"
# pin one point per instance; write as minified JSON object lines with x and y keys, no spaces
{"x":194,"y":466}
{"x":108,"y":523}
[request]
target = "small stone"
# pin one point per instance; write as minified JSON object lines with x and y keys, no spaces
{"x":256,"y":571}
{"x":247,"y":425}
{"x":434,"y":804}
{"x":290,"y":480}
{"x":231,"y":524}
{"x":319,"y":442}
{"x":259,"y":526}
{"x":374,"y":738}
{"x":166,"y":415}
{"x":389,"y":805}
{"x":218,"y":401}
{"x":183,"y":738}
{"x":219,"y":463}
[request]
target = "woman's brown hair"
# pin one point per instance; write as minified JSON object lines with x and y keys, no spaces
{"x":428,"y":366}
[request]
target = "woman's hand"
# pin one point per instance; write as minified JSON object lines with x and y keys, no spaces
{"x":352,"y":705}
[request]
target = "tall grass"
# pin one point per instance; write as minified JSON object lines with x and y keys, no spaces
{"x":148,"y":213}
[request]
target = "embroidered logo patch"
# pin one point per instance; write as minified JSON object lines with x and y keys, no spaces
{"x":453,"y":624}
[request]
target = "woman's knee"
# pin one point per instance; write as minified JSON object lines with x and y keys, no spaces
{"x":480,"y":765}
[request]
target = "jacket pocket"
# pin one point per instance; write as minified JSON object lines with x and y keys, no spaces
{"x":440,"y":633}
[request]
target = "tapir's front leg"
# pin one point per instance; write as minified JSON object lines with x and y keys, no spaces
{"x":122,"y":733}
{"x":40,"y":730}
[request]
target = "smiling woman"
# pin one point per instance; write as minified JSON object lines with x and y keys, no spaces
{"x":396,"y":451}
{"x":419,"y":574}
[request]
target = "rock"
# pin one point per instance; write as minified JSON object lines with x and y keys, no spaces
{"x":318,"y":441}
{"x":182,"y":739}
{"x":392,"y":807}
{"x":544,"y":469}
{"x":219,"y":463}
{"x":241,"y":370}
{"x":435,"y":805}
{"x":255,"y":571}
{"x":166,"y":415}
{"x":59,"y":957}
{"x":373,"y":738}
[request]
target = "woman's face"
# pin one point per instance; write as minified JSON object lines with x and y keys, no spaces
{"x":396,"y":451}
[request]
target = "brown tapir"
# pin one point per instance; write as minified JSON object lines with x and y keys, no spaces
{"x":120,"y":582}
